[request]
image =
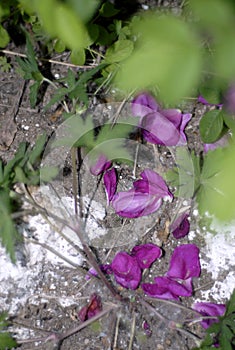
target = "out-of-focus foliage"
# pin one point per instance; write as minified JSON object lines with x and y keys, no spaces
{"x":6,"y":340}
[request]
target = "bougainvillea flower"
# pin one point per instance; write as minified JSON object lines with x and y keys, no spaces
{"x":162,"y":127}
{"x":184,"y":262}
{"x":146,"y":254}
{"x":92,"y":309}
{"x":167,"y":288}
{"x":180,"y":226}
{"x":144,"y":199}
{"x":101,"y":165}
{"x":209,"y":309}
{"x":110,"y":183}
{"x":126,"y":270}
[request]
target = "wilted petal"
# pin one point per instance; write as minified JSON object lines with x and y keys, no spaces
{"x":166,"y":288}
{"x":110,"y":183}
{"x":126,"y":270}
{"x":184,"y":262}
{"x":143,"y":104}
{"x":180,"y":227}
{"x":92,"y":309}
{"x":101,"y":165}
{"x":146,"y":254}
{"x":209,"y":309}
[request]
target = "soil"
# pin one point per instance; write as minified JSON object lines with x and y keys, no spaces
{"x":45,"y":293}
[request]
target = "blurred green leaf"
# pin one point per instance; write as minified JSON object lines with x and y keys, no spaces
{"x":84,"y":8}
{"x":33,"y":93}
{"x":119,"y":51}
{"x":4,"y":37}
{"x":167,"y":55}
{"x":211,"y":126}
{"x":8,"y":233}
{"x":59,"y":46}
{"x":78,"y":57}
{"x":6,"y":341}
{"x":108,"y":10}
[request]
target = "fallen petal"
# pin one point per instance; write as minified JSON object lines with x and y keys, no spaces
{"x":126,"y":270}
{"x":209,"y":309}
{"x":100,"y":166}
{"x":146,"y":254}
{"x":143,"y":104}
{"x":180,"y":227}
{"x":92,"y":309}
{"x":184,"y":262}
{"x":110,"y":183}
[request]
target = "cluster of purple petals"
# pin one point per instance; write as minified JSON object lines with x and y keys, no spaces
{"x":184,"y":265}
{"x":143,"y":199}
{"x":127,"y":268}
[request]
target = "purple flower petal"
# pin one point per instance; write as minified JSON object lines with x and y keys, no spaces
{"x":110,"y":183}
{"x":209,"y":309}
{"x":166,"y":288}
{"x":180,"y":227}
{"x":222,"y":142}
{"x":126,"y":270}
{"x":184,"y":262}
{"x":146,"y":254}
{"x":143,"y":104}
{"x":133,"y":204}
{"x":145,"y":198}
{"x":106,"y":268}
{"x":202,"y":100}
{"x":100,"y":166}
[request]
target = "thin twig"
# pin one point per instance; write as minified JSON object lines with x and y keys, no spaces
{"x":7,"y":52}
{"x":132,"y":331}
{"x":116,"y":332}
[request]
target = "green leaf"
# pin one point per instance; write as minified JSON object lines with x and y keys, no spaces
{"x":119,"y":51}
{"x":4,"y":37}
{"x":47,"y":173}
{"x":33,"y":93}
{"x":8,"y":233}
{"x":59,"y":46}
{"x":211,"y":126}
{"x":230,"y":307}
{"x":78,"y":57}
{"x":6,"y":341}
{"x":167,"y":55}
{"x":84,"y":8}
{"x":37,"y":149}
{"x":69,"y":27}
{"x":108,"y":10}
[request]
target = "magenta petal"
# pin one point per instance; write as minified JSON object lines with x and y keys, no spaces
{"x":180,"y":227}
{"x":110,"y":183}
{"x":133,"y":204}
{"x":126,"y":270}
{"x":143,"y":104}
{"x":222,"y":142}
{"x":184,"y":262}
{"x":156,"y":184}
{"x":101,"y":165}
{"x":146,"y":254}
{"x":209,"y":309}
{"x":157,"y":129}
{"x":185,"y":119}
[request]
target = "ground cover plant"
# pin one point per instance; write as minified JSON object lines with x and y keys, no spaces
{"x":121,"y":44}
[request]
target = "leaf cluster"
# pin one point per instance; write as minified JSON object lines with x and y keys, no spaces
{"x":223,"y":332}
{"x":6,"y":340}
